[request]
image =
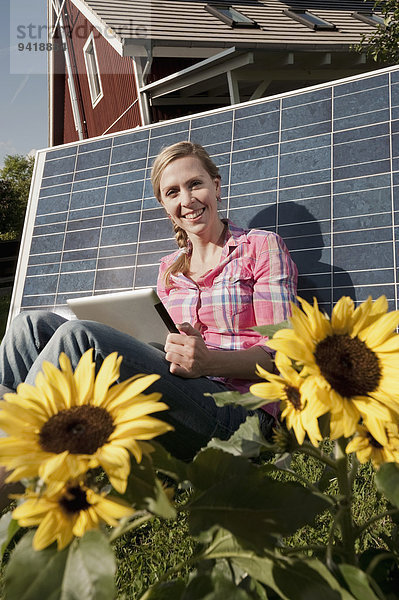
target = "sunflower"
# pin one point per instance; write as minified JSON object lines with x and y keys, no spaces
{"x":352,"y":359}
{"x":70,"y":422}
{"x":300,"y":407}
{"x":368,"y":447}
{"x":67,"y":514}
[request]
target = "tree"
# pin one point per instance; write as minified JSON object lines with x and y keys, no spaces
{"x":15,"y":179}
{"x":383,"y":44}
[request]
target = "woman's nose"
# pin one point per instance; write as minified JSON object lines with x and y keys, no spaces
{"x":186,"y":196}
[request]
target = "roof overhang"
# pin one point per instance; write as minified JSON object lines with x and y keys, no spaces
{"x":116,"y":41}
{"x":226,"y":61}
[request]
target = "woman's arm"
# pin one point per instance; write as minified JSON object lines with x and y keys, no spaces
{"x":189,"y":357}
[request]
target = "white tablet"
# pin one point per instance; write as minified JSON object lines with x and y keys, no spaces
{"x":140,"y":313}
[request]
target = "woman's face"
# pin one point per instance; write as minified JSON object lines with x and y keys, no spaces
{"x":189,"y":196}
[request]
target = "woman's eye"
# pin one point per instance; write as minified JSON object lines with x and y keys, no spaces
{"x":195,"y":183}
{"x":171,"y":192}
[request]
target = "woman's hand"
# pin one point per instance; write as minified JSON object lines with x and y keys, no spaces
{"x":187,"y":352}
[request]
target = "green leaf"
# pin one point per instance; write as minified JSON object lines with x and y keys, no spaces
{"x":270,"y":330}
{"x":8,"y":528}
{"x":83,"y":570}
{"x":294,"y":579}
{"x":248,"y":400}
{"x":217,"y":587}
{"x":168,"y":590}
{"x":358,"y":582}
{"x":387,"y":481}
{"x":246,"y":441}
{"x":233,"y":493}
{"x":164,"y":462}
{"x":145,"y":491}
{"x":30,"y":575}
{"x":90,"y":569}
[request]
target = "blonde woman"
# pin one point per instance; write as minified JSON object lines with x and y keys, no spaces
{"x":219,"y":284}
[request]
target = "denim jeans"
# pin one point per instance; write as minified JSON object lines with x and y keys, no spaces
{"x":36,"y":336}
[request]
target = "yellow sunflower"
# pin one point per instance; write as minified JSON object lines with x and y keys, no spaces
{"x":368,"y":447}
{"x":300,"y":407}
{"x":68,"y":514}
{"x":352,"y":359}
{"x":70,"y":422}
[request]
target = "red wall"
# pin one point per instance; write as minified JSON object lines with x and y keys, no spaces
{"x":117,"y":79}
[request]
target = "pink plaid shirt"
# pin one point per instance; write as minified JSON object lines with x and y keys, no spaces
{"x":252,"y":285}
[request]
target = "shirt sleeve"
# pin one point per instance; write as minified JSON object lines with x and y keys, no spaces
{"x":275,"y":282}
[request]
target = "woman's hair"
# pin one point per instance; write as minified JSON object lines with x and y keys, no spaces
{"x":164,"y":158}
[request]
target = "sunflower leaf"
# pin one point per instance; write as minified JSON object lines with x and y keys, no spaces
{"x":293,"y":579}
{"x":387,"y":481}
{"x":248,"y":400}
{"x":90,"y":569}
{"x":246,"y":441}
{"x":167,"y":590}
{"x":270,"y":330}
{"x":145,"y":491}
{"x":358,"y":582}
{"x":8,"y":528}
{"x":233,"y":493}
{"x":31,"y":574}
{"x":84,"y":569}
{"x":167,"y":464}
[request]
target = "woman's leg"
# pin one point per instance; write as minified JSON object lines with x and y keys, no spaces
{"x":26,"y":337}
{"x":36,"y":337}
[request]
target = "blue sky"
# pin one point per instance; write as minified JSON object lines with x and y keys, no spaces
{"x":23,"y":98}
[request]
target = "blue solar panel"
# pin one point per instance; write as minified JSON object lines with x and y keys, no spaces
{"x":320,"y":166}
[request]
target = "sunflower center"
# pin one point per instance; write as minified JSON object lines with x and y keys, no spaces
{"x":293,"y":396}
{"x":80,"y":430}
{"x":74,"y":500}
{"x":349,"y":366}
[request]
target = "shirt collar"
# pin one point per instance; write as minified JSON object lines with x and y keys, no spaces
{"x":237,"y":236}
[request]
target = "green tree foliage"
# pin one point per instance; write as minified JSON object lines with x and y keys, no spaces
{"x":383,"y":44}
{"x":15,"y":178}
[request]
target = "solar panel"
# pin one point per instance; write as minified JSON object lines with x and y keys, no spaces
{"x":320,"y":166}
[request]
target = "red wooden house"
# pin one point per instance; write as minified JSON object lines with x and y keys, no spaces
{"x":118,"y":64}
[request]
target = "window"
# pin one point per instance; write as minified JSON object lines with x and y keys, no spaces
{"x":309,"y":19}
{"x":93,"y":73}
{"x":230,"y":15}
{"x":370,"y":18}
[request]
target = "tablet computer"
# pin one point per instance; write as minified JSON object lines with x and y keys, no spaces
{"x":139,"y":313}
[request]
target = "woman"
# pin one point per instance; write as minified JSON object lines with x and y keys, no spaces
{"x":221,"y":282}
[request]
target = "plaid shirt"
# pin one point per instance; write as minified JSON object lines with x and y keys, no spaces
{"x":252,"y":285}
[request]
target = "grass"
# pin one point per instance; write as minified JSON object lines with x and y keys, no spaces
{"x":145,"y":555}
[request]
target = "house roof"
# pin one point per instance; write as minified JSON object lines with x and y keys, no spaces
{"x":187,"y":23}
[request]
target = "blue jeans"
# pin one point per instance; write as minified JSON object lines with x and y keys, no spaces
{"x":39,"y":335}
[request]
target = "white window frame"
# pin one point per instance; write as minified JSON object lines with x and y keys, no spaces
{"x":92,"y":70}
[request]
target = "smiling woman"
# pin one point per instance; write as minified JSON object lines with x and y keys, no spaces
{"x":220,"y":283}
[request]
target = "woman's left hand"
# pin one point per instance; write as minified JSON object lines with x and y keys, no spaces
{"x":187,"y":352}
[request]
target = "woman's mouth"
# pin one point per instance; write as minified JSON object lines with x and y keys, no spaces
{"x":194,"y":215}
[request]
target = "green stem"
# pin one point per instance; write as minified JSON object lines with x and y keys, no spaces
{"x":133,"y":525}
{"x":295,"y":549}
{"x":309,"y":485}
{"x":386,"y":513}
{"x":310,"y":450}
{"x":344,"y":514}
